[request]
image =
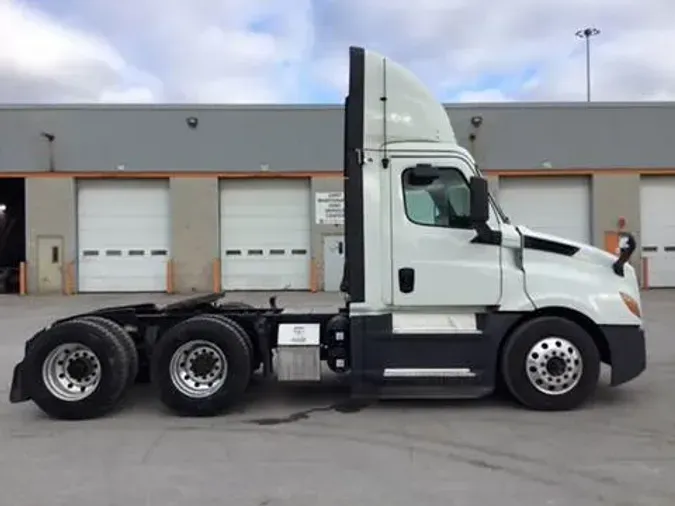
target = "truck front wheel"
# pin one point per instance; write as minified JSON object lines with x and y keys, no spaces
{"x":201,"y":366}
{"x":550,"y":364}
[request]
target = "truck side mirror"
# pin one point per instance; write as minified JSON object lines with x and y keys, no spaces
{"x":479,"y":200}
{"x":627,"y":245}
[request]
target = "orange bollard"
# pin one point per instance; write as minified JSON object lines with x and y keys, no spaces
{"x":169,"y":276}
{"x":313,"y":276}
{"x":216,"y":272}
{"x":22,"y":279}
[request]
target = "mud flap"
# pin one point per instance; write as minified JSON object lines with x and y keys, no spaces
{"x":17,"y":392}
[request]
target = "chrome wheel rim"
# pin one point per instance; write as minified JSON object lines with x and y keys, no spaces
{"x":554,"y":366}
{"x":71,"y":372}
{"x":198,"y":369}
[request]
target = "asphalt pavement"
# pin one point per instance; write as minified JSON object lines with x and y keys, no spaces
{"x":290,"y":446}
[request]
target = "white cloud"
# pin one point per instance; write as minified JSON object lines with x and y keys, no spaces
{"x":281,"y":51}
{"x":42,"y":60}
{"x":333,"y":70}
{"x":131,"y":95}
{"x":484,"y":95}
{"x":453,"y":44}
{"x":211,"y":50}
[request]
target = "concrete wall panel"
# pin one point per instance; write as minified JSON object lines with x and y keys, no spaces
{"x":194,"y":232}
{"x":50,"y":211}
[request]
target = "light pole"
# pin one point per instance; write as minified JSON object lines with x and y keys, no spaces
{"x":586,"y":34}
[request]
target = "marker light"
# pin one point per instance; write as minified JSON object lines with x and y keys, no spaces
{"x":631,"y":304}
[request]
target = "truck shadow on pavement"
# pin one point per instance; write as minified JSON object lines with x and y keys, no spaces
{"x":298,"y":403}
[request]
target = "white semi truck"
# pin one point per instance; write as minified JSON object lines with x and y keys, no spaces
{"x":444,"y":297}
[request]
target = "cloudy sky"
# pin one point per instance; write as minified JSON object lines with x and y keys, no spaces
{"x":294,"y":51}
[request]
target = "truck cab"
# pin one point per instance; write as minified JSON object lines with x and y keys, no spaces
{"x":443,"y":290}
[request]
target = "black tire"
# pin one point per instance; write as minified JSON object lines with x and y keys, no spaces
{"x":235,"y":349}
{"x":127,"y":343}
{"x":242,"y":332}
{"x":515,"y":373}
{"x":114,"y":370}
{"x":234,"y":305}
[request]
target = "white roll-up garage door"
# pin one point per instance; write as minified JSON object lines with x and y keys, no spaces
{"x":657,"y":216}
{"x":265,"y":234}
{"x":123,"y":232}
{"x":557,"y":205}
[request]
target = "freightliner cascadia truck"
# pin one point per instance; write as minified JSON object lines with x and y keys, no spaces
{"x":443,"y":296}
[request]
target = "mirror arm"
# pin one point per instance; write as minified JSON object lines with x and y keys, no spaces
{"x":485,"y":235}
{"x":482,"y":230}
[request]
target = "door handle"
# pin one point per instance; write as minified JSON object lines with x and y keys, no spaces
{"x":340,"y":248}
{"x":406,"y":279}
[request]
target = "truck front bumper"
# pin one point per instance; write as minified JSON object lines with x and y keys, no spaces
{"x":627,"y":351}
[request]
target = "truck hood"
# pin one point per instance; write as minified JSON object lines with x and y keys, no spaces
{"x":590,"y":255}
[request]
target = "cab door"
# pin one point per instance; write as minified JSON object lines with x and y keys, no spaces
{"x":437,"y":259}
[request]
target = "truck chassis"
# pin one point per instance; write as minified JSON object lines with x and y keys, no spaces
{"x":201,"y":353}
{"x":224,"y":344}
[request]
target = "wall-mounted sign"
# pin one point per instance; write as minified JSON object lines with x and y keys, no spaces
{"x":329,"y":208}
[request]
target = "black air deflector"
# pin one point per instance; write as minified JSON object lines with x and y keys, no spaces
{"x":353,"y":279}
{"x":549,"y":246}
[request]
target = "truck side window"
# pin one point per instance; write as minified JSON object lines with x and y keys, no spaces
{"x":438,"y":197}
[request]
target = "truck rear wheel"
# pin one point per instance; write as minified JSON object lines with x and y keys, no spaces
{"x":76,"y":370}
{"x":550,"y":364}
{"x":255,"y":363}
{"x":201,"y":366}
{"x":127,"y":343}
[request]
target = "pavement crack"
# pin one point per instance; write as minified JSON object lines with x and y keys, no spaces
{"x":152,"y":447}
